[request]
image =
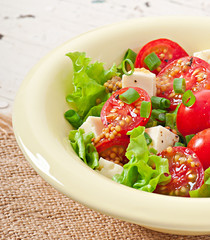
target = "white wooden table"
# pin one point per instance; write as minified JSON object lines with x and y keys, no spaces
{"x":31,"y":28}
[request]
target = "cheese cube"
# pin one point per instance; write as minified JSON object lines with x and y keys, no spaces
{"x":205,"y":55}
{"x":161,"y":138}
{"x":108,"y":168}
{"x":141,"y":78}
{"x":93,"y":124}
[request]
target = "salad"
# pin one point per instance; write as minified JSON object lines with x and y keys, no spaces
{"x":145,"y":123}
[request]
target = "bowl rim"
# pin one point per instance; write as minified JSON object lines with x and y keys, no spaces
{"x":116,"y":206}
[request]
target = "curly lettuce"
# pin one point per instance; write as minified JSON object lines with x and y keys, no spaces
{"x":144,"y":171}
{"x":82,"y":145}
{"x":88,"y":80}
{"x":204,"y":190}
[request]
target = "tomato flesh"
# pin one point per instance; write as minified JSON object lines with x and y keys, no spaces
{"x":195,"y":71}
{"x":114,"y":150}
{"x":123,"y":116}
{"x":186,"y":172}
{"x":165,"y":49}
{"x":193,"y":119}
{"x":200,"y":144}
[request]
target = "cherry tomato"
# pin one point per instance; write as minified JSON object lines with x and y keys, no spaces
{"x":165,"y":49}
{"x":113,"y":149}
{"x":195,"y":71}
{"x":121,"y":116}
{"x":186,"y":172}
{"x":193,"y":119}
{"x":200,"y":144}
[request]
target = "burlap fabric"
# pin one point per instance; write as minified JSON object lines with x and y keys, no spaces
{"x":32,"y":209}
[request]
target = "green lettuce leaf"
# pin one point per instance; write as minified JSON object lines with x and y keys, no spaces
{"x":97,"y":72}
{"x":204,"y":190}
{"x":83,"y":147}
{"x":95,"y":111}
{"x":143,"y":171}
{"x":88,"y":80}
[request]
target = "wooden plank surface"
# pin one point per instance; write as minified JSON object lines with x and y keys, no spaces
{"x":31,"y":28}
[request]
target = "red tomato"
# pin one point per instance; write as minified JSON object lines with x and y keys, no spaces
{"x":122,"y":116}
{"x":165,"y":49}
{"x":200,"y":144}
{"x":113,"y":149}
{"x":191,"y":120}
{"x":195,"y":71}
{"x":186,"y":172}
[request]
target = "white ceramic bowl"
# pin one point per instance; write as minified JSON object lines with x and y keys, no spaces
{"x":42,"y":131}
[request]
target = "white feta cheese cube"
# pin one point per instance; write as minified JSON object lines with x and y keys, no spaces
{"x":141,"y":78}
{"x":205,"y":55}
{"x":108,"y":168}
{"x":93,"y":124}
{"x":161,"y":138}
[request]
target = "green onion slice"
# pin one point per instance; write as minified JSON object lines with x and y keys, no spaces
{"x":151,"y":123}
{"x":179,"y":85}
{"x":159,"y":115}
{"x":148,"y":138}
{"x":179,"y":144}
{"x":160,"y":103}
{"x":152,"y":61}
{"x":124,"y":67}
{"x":171,"y":120}
{"x":129,"y":96}
{"x":73,"y":118}
{"x":145,"y":109}
{"x":189,"y":137}
{"x":188,"y":98}
{"x":152,"y":150}
{"x":130,"y":54}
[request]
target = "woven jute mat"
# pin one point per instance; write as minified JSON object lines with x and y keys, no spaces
{"x":31,"y":209}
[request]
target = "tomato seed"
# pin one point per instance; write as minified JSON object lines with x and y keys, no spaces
{"x":183,"y":190}
{"x":169,"y":149}
{"x":118,"y":128}
{"x":176,"y":157}
{"x":192,"y":177}
{"x":192,"y":164}
{"x":113,"y":155}
{"x":122,"y":123}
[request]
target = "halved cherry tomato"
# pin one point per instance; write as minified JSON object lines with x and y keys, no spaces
{"x":186,"y":172}
{"x":195,"y":71}
{"x":191,"y":120}
{"x":200,"y":144}
{"x":113,"y":149}
{"x":121,"y":116}
{"x":166,"y":50}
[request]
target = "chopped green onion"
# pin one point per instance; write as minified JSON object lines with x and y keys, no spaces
{"x":171,"y":120}
{"x":152,"y":61}
{"x":124,"y":68}
{"x":130,"y":54}
{"x":160,"y":103}
{"x":152,"y":150}
{"x":145,"y":109}
{"x":179,"y":85}
{"x":189,"y":137}
{"x":148,"y":138}
{"x":159,"y":115}
{"x":151,"y":123}
{"x":179,"y":144}
{"x":129,"y":96}
{"x":188,"y":98}
{"x":73,"y":118}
